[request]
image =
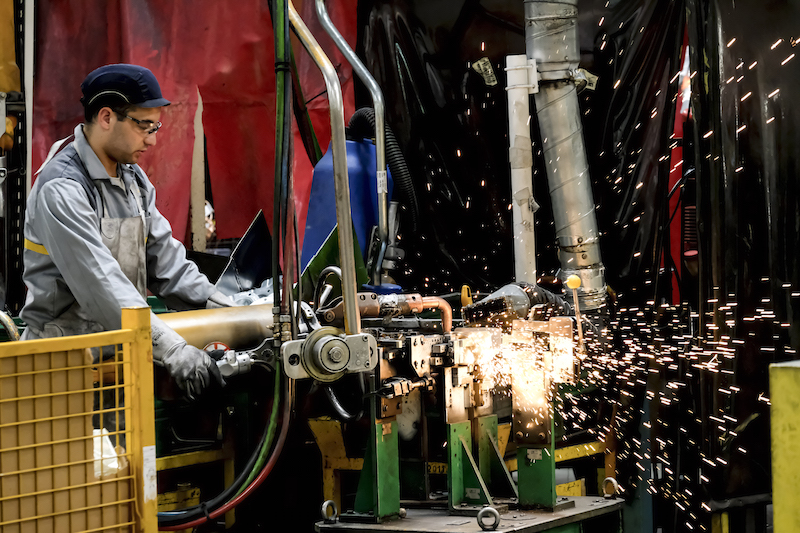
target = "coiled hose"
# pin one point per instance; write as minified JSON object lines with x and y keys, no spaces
{"x":539,"y":295}
{"x":362,"y":124}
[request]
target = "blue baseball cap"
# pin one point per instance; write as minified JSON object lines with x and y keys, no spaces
{"x":132,"y":84}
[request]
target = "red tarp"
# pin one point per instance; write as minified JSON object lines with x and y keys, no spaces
{"x":222,"y":49}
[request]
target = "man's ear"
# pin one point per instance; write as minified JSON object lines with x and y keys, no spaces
{"x":104,"y":118}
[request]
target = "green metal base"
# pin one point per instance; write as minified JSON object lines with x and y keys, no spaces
{"x":378,"y":493}
{"x":464,"y":482}
{"x":490,"y":462}
{"x":591,"y":514}
{"x":536,"y":475}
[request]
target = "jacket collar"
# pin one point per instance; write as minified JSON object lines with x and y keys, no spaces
{"x":93,"y":165}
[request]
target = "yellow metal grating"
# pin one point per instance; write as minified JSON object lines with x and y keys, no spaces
{"x":49,"y":404}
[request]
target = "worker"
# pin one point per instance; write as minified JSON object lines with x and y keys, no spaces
{"x":94,"y":239}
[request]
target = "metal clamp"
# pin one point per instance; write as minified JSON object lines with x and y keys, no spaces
{"x":326,"y":355}
{"x":330,"y":519}
{"x":533,"y":77}
{"x":488,"y":511}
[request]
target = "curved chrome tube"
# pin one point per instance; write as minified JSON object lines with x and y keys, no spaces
{"x":10,"y":326}
{"x":380,"y":128}
{"x":341,"y":181}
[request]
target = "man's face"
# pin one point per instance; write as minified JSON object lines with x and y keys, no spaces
{"x":130,"y":139}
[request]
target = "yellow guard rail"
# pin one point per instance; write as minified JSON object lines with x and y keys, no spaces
{"x":48,"y":394}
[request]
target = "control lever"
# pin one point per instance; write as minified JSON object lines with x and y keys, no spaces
{"x":232,"y":363}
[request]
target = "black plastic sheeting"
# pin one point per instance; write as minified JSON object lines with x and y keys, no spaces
{"x":452,"y":127}
{"x":745,"y":95}
{"x":739,"y":303}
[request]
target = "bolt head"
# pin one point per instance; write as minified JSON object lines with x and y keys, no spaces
{"x":335,"y":354}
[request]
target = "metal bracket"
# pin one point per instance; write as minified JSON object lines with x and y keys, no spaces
{"x":533,"y":77}
{"x":326,"y":355}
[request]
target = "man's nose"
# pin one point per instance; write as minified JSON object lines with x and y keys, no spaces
{"x":150,"y":139}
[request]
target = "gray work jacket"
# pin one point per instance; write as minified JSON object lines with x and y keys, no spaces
{"x":65,"y":260}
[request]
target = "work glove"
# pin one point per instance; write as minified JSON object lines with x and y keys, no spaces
{"x":219,"y":300}
{"x":191,"y":368}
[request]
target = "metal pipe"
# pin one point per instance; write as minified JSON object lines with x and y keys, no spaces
{"x":239,"y":328}
{"x":435,"y":302}
{"x":11,"y":328}
{"x":551,"y":38}
{"x":418,"y":304}
{"x":341,"y":182}
{"x":520,"y":157}
{"x":380,"y":129}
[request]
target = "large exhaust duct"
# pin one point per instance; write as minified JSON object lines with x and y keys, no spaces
{"x":551,"y":38}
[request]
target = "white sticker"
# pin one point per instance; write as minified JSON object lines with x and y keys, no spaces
{"x":383,"y":182}
{"x":534,"y":454}
{"x":149,"y":473}
{"x":484,"y":67}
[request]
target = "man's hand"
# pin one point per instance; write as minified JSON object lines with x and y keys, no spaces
{"x":219,"y":299}
{"x":193,"y":370}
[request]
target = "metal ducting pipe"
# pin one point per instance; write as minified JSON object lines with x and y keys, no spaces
{"x":240,"y":328}
{"x":551,"y":38}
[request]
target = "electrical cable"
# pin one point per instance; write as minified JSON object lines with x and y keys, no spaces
{"x":362,"y":124}
{"x":339,"y":407}
{"x":287,"y":411}
{"x":269,"y":436}
{"x":170,"y":518}
{"x":327,"y":271}
{"x":279,"y":12}
{"x":248,"y":478}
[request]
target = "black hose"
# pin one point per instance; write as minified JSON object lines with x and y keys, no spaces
{"x":362,"y":125}
{"x":340,"y":409}
{"x":191,"y":513}
{"x":539,"y":295}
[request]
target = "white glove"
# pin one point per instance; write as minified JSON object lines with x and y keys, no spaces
{"x":191,"y":368}
{"x":219,"y":300}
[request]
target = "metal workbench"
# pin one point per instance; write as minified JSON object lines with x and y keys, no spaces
{"x":439,"y":521}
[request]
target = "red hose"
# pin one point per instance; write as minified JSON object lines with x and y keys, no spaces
{"x":273,"y":459}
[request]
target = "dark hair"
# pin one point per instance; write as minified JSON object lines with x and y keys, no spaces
{"x":117,"y":104}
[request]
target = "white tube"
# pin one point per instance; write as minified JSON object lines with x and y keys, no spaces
{"x":520,"y":157}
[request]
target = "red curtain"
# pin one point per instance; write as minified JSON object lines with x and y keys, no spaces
{"x":224,"y":50}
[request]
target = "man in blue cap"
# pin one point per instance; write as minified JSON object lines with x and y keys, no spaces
{"x":94,"y":240}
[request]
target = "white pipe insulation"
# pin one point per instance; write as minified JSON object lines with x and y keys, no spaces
{"x":520,"y":157}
